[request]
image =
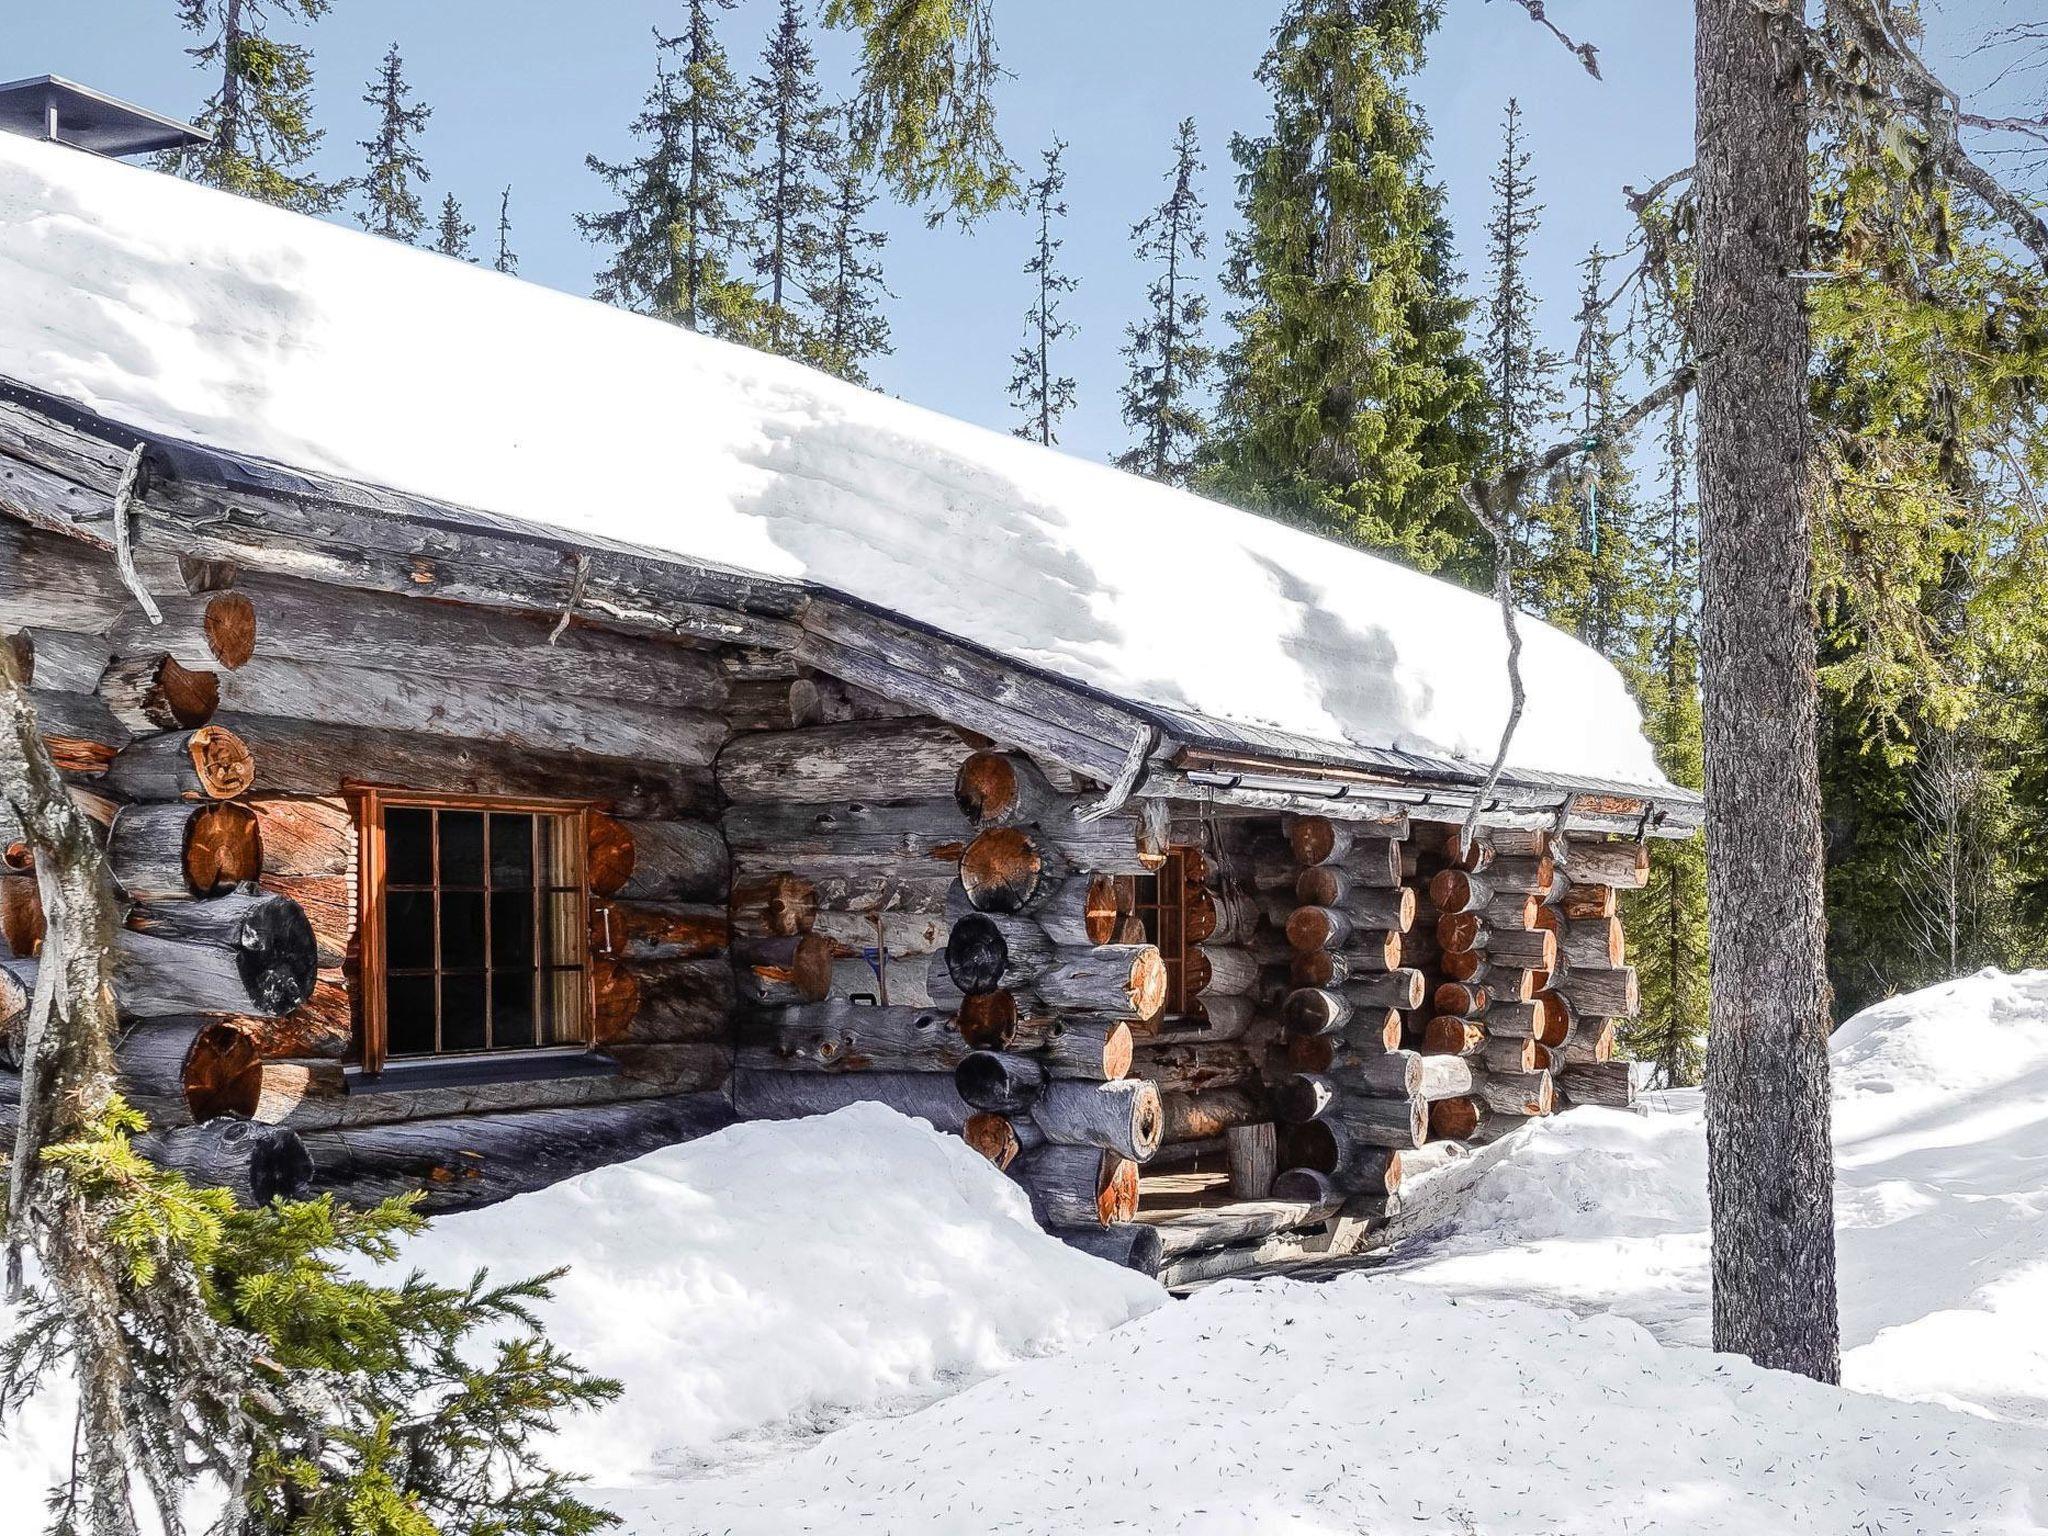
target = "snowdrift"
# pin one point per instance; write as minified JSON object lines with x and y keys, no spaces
{"x":178,"y":310}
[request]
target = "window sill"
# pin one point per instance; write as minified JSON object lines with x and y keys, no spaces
{"x":536,"y":1066}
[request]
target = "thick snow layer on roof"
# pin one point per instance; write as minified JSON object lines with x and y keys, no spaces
{"x":186,"y":312}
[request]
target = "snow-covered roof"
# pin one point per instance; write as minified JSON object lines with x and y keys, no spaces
{"x":173,"y":309}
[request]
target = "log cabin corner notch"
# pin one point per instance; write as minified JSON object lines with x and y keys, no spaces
{"x":821,"y":801}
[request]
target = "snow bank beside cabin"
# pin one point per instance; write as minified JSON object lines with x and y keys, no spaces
{"x":175,"y":309}
{"x":777,"y":1277}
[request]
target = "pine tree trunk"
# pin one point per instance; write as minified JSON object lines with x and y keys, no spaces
{"x":1770,"y":1168}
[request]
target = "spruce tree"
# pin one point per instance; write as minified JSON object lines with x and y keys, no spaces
{"x":507,"y":260}
{"x":1168,"y":359}
{"x":790,"y":197}
{"x":846,"y":289}
{"x":675,"y":235}
{"x":1040,"y":395}
{"x":1348,"y":400}
{"x":454,"y":233}
{"x":391,"y":199}
{"x":260,"y":114}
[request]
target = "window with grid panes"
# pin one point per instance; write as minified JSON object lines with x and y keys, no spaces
{"x":1159,"y":901}
{"x":477,"y":917}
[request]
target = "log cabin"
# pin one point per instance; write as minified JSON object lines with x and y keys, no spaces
{"x":528,"y":734}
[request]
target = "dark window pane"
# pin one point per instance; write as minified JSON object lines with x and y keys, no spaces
{"x":409,"y":1015}
{"x":462,"y":930}
{"x":511,"y":851}
{"x":408,"y":930}
{"x":511,"y":930}
{"x":462,"y":1013}
{"x":512,"y":1009}
{"x":462,"y":848}
{"x":408,"y":847}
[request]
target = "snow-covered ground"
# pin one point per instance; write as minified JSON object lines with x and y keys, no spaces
{"x":849,"y":1324}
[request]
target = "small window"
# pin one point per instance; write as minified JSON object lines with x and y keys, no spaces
{"x":1160,"y":903}
{"x":475,"y":926}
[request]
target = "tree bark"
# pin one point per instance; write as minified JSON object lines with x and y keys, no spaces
{"x":1770,"y":1162}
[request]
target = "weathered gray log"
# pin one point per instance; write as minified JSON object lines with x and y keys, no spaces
{"x":1625,"y":864}
{"x":1224,"y":970}
{"x":475,"y":1160}
{"x":258,"y":1163}
{"x":1131,"y":1244}
{"x":773,"y":704}
{"x":1503,"y":982}
{"x":781,"y":971}
{"x":683,"y":1002}
{"x":999,"y":1083}
{"x":1123,"y":1117}
{"x":1000,"y":1139}
{"x":57,"y":583}
{"x":303,"y":757}
{"x":1515,"y":909}
{"x":658,"y":930}
{"x":1592,"y":1043}
{"x":209,"y":763}
{"x":1075,"y":1046}
{"x":471,"y":709}
{"x":250,"y":952}
{"x":292,"y":621}
{"x":799,"y":833}
{"x":177,"y":851}
{"x":1079,"y":911}
{"x":1078,"y":1186}
{"x":1597,"y":944}
{"x":1123,"y":981}
{"x":837,"y":1036}
{"x":1220,"y":1017}
{"x":1374,"y":1119}
{"x":927,"y":1096}
{"x":1354,"y":1166}
{"x":1605,"y":993}
{"x":174,"y":1070}
{"x":1005,"y":789}
{"x":1223,"y":916}
{"x":1609,"y":1083}
{"x":1194,"y":1068}
{"x":1533,"y":949}
{"x":152,"y":692}
{"x":1253,"y":1150}
{"x":80,"y":731}
{"x":913,"y":759}
{"x":657,"y":860}
{"x":1449,"y":1034}
{"x":1366,"y":955}
{"x":1322,"y":840}
{"x":1370,"y":906}
{"x":1326,"y":1011}
{"x":1511,"y":1054}
{"x":1444,"y":1077}
{"x":1584,"y":903}
{"x":1515,"y":1093}
{"x":62,"y":661}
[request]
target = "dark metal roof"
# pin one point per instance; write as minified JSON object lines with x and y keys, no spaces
{"x":51,"y":107}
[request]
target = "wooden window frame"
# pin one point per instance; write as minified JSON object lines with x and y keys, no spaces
{"x":369,"y":802}
{"x":1168,"y":928}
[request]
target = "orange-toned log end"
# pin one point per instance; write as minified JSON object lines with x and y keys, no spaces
{"x":611,"y":855}
{"x":1446,"y":1035}
{"x":1199,"y":908}
{"x":1544,"y":1100}
{"x":1455,"y":1119}
{"x":993,"y":1137}
{"x":1459,"y":998}
{"x":810,"y":967}
{"x":1001,"y":870}
{"x":223,"y":1073}
{"x":1311,"y":1053}
{"x":1584,"y":902}
{"x":779,"y":905}
{"x":1103,"y":911}
{"x":1617,"y":943}
{"x":223,"y":848}
{"x":988,"y":1020}
{"x":1312,"y":838}
{"x":1389,"y":1021}
{"x":21,"y":916}
{"x":1460,"y":932}
{"x":1598,"y":1042}
{"x":1118,"y":1052}
{"x":986,"y":788}
{"x":617,"y":992}
{"x":222,"y":762}
{"x":1390,"y":949}
{"x":1451,"y":890}
{"x":1312,"y":968}
{"x":1462,"y":964}
{"x":1118,"y":1197}
{"x":191,"y":696}
{"x":1553,"y":1020}
{"x":230,"y":626}
{"x":73,"y":754}
{"x":1147,"y":986}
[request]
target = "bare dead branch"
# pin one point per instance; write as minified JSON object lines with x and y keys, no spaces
{"x":1586,"y":53}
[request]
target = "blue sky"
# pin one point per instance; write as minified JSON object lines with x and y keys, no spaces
{"x":520,"y":95}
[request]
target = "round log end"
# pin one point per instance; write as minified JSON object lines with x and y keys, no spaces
{"x":1317,"y":886}
{"x":1148,"y":982}
{"x":617,"y":992}
{"x":1103,"y":912}
{"x":1460,"y":932}
{"x":1455,"y":1119}
{"x":1451,"y":890}
{"x":1306,"y":1186}
{"x":998,"y":1083}
{"x":1447,"y":1035}
{"x":276,"y":955}
{"x":1313,"y":838}
{"x":1117,"y":1046}
{"x":993,"y":1137}
{"x":1390,"y":1029}
{"x":223,"y":1073}
{"x":810,"y":968}
{"x":223,"y":848}
{"x":1312,"y":1011}
{"x":1296,"y":1099}
{"x":1551,"y":1023}
{"x":221,"y":761}
{"x":986,"y":789}
{"x":988,"y":1020}
{"x":230,"y":627}
{"x":977,"y":954}
{"x":610,"y":857}
{"x":1309,"y":928}
{"x":1001,"y":870}
{"x":1118,"y":1200}
{"x":190,"y":696}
